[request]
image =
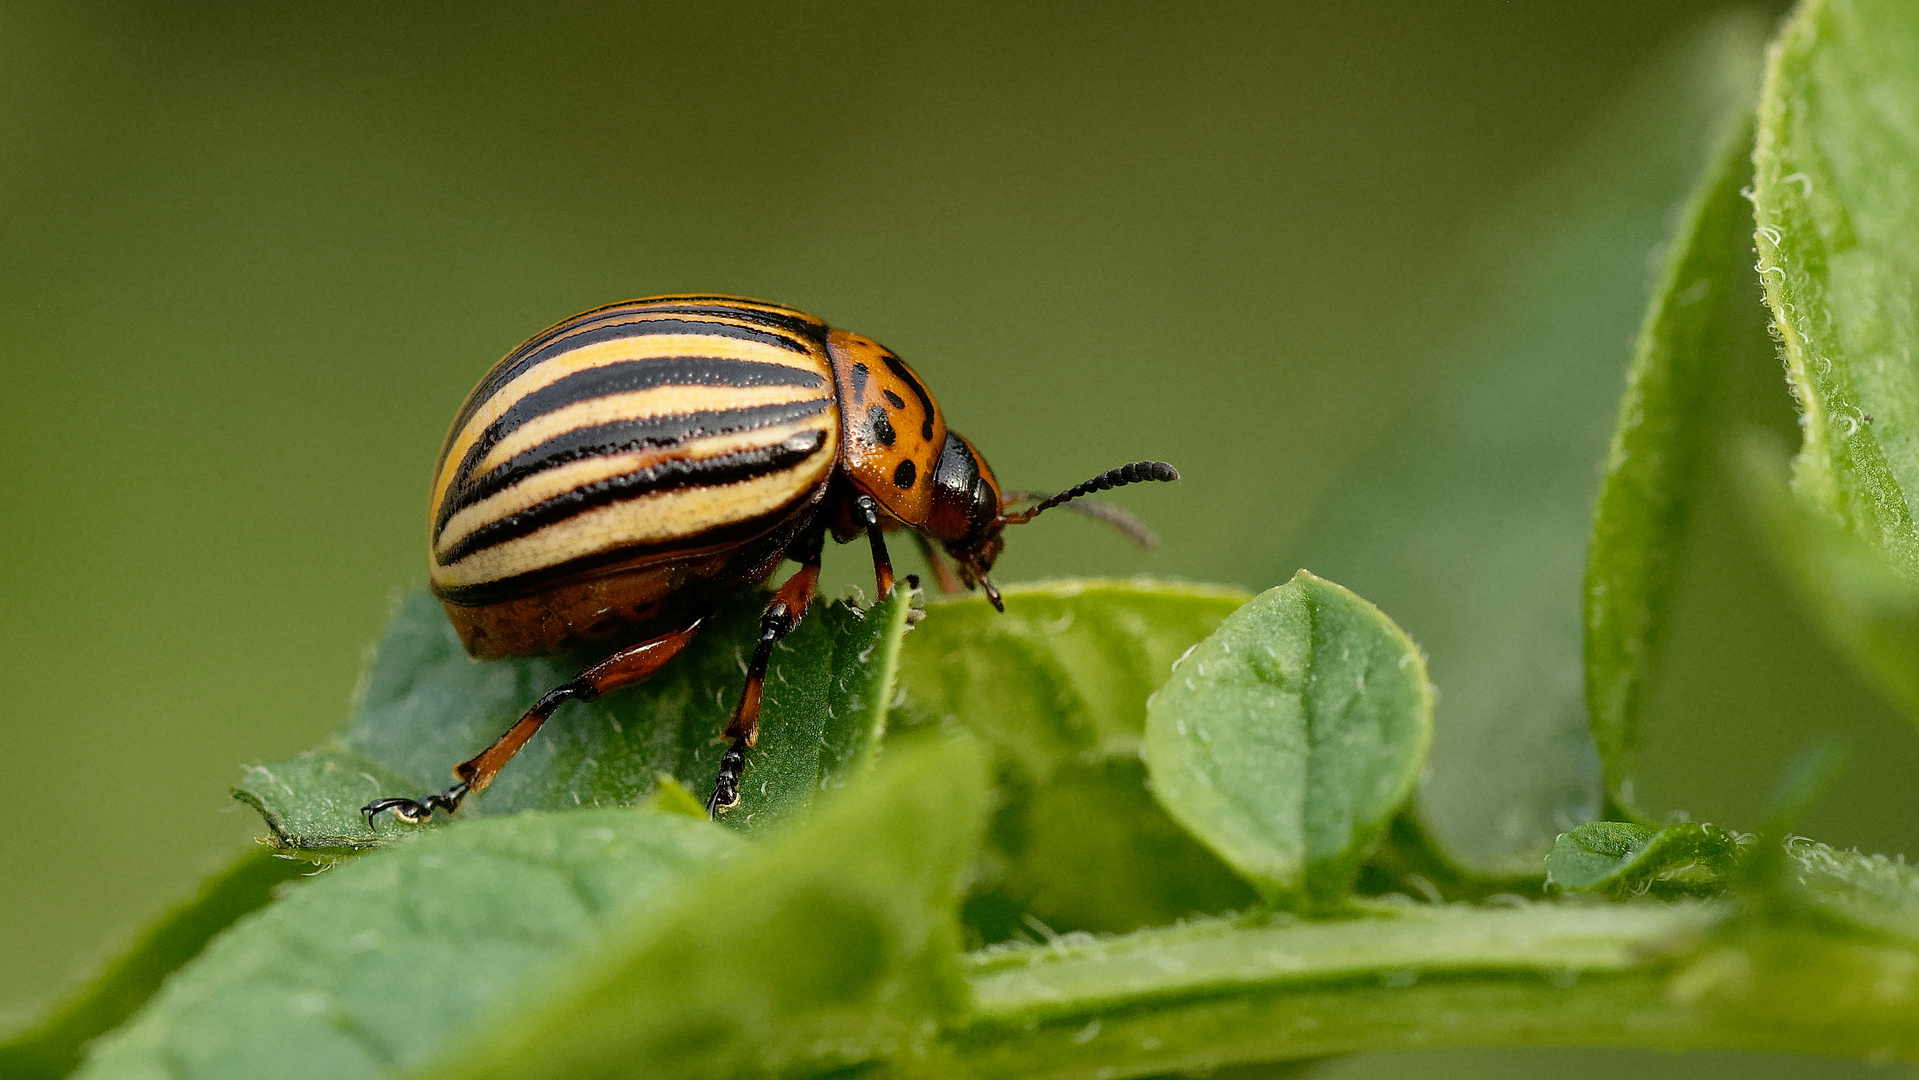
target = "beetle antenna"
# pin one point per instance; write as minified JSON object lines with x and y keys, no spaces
{"x":1136,"y":472}
{"x":1125,"y":521}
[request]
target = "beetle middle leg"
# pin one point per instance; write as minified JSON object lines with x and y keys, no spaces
{"x":783,"y":613}
{"x":624,"y":668}
{"x":868,"y":513}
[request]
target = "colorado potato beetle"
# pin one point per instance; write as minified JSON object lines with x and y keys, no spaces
{"x":624,"y":470}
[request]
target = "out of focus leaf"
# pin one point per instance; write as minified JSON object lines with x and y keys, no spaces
{"x":1876,"y":893}
{"x":1838,"y":143}
{"x":1867,"y":606}
{"x":598,"y":942}
{"x":1057,"y":686}
{"x":51,"y":1048}
{"x":426,"y":705}
{"x":370,"y":968}
{"x":835,"y":944}
{"x":1471,"y":524}
{"x":1625,"y":859}
{"x":1704,"y":331}
{"x":1288,"y":739}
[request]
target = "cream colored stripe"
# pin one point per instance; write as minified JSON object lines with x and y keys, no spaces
{"x":550,"y":483}
{"x":548,"y":372}
{"x":658,"y":401}
{"x":648,"y":519}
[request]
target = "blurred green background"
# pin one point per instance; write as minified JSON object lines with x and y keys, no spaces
{"x":255,"y":255}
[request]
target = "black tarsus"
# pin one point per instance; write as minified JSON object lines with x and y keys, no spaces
{"x":414,"y":811}
{"x":726,"y":786}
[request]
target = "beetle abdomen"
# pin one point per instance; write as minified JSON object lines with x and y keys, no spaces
{"x":654,"y":427}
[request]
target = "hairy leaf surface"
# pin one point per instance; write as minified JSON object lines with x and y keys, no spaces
{"x":369,"y":968}
{"x":1057,"y":686}
{"x":1626,"y":859}
{"x":1289,"y":738}
{"x":1838,"y":144}
{"x":425,"y":705}
{"x":566,"y":944}
{"x":834,"y":944}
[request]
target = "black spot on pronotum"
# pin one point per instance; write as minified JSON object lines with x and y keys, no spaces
{"x":926,"y":400}
{"x":878,"y":427}
{"x":904,"y":476}
{"x":898,"y":401}
{"x":859,"y":382}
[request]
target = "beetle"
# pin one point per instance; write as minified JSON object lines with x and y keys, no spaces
{"x":626,"y":469}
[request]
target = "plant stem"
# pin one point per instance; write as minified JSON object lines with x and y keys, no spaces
{"x":1644,"y":974}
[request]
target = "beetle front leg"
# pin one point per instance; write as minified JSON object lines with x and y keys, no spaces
{"x":868,"y":513}
{"x":781,"y":616}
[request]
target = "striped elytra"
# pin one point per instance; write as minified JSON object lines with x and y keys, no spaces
{"x":636,"y":430}
{"x":625,"y":469}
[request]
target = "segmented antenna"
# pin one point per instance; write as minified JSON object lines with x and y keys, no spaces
{"x":1137,"y":472}
{"x":1128,"y":523}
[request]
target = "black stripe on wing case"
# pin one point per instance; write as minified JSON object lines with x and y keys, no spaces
{"x":571,"y":338}
{"x":620,"y":437}
{"x":804,"y":325}
{"x":666,"y":476}
{"x":628,"y":376}
{"x":511,"y":588}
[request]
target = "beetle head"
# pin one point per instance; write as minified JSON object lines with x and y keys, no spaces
{"x":968,"y":513}
{"x":965,"y":513}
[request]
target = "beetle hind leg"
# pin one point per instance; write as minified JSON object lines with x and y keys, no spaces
{"x":623,"y":668}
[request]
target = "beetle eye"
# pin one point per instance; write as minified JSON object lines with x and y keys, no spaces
{"x":985,"y":506}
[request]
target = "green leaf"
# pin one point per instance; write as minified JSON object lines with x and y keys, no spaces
{"x":1470,"y":524}
{"x":52,"y":1047}
{"x":1862,"y":601}
{"x":1288,"y":739}
{"x":1057,"y":686}
{"x":562,"y":944}
{"x":834,"y":945}
{"x":1875,"y":893}
{"x":1064,"y":672}
{"x":1625,"y":859}
{"x":425,"y":706}
{"x":1838,"y":142}
{"x":1704,"y":332}
{"x":367,"y":969}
